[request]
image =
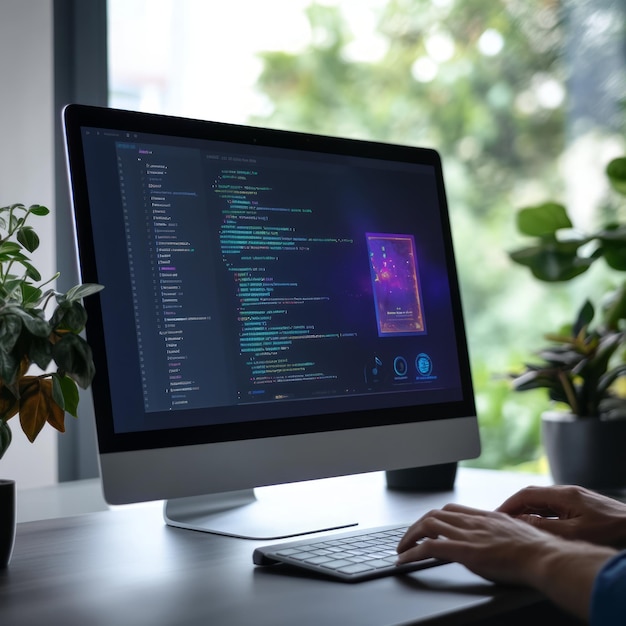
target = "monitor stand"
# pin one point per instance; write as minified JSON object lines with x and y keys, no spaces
{"x":241,"y":514}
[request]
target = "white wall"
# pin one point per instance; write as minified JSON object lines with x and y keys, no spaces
{"x":27,"y":176}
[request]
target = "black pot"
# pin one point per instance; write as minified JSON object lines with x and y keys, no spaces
{"x":428,"y":478}
{"x":7,"y":521}
{"x":585,"y":451}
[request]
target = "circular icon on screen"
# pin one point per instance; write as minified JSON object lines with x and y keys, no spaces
{"x":400,"y":366}
{"x":423,"y":364}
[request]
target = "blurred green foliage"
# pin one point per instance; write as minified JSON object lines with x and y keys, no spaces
{"x":483,"y":83}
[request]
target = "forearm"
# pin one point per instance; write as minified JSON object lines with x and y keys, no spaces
{"x":566,"y":573}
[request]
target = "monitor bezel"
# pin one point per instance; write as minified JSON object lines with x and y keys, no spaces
{"x":109,"y":441}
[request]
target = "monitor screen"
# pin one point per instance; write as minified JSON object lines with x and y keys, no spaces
{"x":277,"y":306}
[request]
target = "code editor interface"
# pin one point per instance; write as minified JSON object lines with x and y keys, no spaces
{"x":262,"y":275}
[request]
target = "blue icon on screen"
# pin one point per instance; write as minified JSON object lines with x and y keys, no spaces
{"x":400,"y":366}
{"x":423,"y":364}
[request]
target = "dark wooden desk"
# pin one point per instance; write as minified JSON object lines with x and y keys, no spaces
{"x":125,"y":566}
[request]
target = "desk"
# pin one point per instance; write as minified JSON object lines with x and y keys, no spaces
{"x":125,"y":567}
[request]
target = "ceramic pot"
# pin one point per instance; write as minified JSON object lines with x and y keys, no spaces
{"x":585,"y":451}
{"x":7,"y":521}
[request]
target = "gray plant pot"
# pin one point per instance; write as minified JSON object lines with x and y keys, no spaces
{"x":585,"y":451}
{"x":7,"y":521}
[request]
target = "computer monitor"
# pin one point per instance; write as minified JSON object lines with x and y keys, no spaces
{"x":277,"y":307}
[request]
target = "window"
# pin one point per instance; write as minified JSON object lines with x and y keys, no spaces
{"x":521,"y":97}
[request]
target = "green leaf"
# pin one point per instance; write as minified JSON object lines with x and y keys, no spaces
{"x":28,"y":238}
{"x":9,"y":367}
{"x":39,"y":351}
{"x":10,"y":329}
{"x":82,"y":291}
{"x":10,"y":248}
{"x":69,"y":316}
{"x":610,"y":377}
{"x":585,"y":316}
{"x":31,"y":271}
{"x":73,"y":357}
{"x":616,"y":173}
{"x":15,"y":257}
{"x":15,"y":222}
{"x":65,"y":393}
{"x":599,"y":364}
{"x":30,"y":294}
{"x":38,"y":209}
{"x":12,"y":284}
{"x":536,"y":379}
{"x":615,"y":255}
{"x":57,"y":392}
{"x":543,"y":220}
{"x":34,"y":324}
{"x":613,"y":246}
{"x":555,"y":261}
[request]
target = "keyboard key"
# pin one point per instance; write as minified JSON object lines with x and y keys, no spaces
{"x":356,"y":568}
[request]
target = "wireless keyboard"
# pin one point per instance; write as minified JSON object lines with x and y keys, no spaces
{"x":351,"y":557}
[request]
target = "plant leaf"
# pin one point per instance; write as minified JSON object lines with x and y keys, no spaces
{"x":20,"y":257}
{"x":65,"y":393}
{"x":593,"y":368}
{"x":37,"y":406}
{"x":10,"y":248}
{"x":543,"y":220}
{"x":57,"y":392}
{"x":82,"y":291}
{"x":11,"y":284}
{"x":9,"y":367}
{"x":535,"y":379}
{"x":585,"y":316}
{"x":73,"y":357}
{"x":616,"y":173}
{"x":613,"y":247}
{"x":31,"y":295}
{"x":5,"y":437}
{"x":10,"y":329}
{"x":70,"y":315}
{"x":554,"y":261}
{"x":32,"y":406}
{"x":39,"y":351}
{"x":34,"y":324}
{"x":28,"y":238}
{"x":15,"y":222}
{"x":38,"y":209}
{"x":9,"y":404}
{"x":610,"y":377}
{"x":31,"y":271}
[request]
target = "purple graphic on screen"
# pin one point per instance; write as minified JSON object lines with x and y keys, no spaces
{"x":396,"y":285}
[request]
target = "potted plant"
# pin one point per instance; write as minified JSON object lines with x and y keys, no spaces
{"x":584,"y":363}
{"x":39,"y":330}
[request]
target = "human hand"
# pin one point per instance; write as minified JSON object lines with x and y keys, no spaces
{"x":508,"y":550}
{"x":571,"y":512}
{"x":491,"y":544}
